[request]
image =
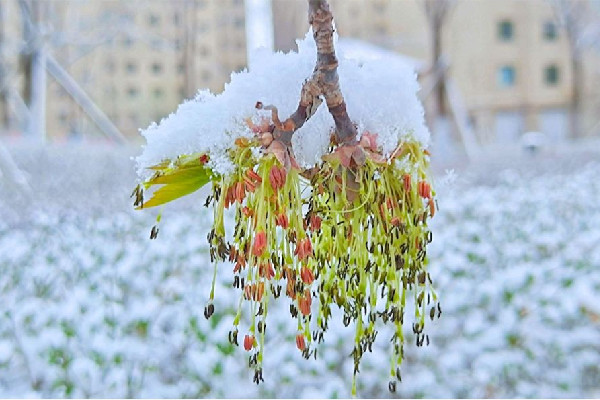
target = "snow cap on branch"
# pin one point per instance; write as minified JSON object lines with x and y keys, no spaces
{"x":380,"y":92}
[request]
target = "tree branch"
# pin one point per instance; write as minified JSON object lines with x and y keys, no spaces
{"x":323,"y":82}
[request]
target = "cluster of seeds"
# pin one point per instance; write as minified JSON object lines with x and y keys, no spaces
{"x":370,"y":247}
{"x":356,"y":240}
{"x":269,"y":244}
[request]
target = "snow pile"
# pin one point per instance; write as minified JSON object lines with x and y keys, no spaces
{"x":92,"y":308}
{"x":380,"y":93}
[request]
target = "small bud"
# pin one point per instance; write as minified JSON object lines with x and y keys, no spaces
{"x":300,"y":343}
{"x":249,"y":342}
{"x":306,"y":275}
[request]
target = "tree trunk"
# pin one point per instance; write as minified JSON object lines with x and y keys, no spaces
{"x":576,"y":94}
{"x":439,"y":93}
{"x":4,"y":98}
{"x":37,"y":106}
{"x":26,"y":59}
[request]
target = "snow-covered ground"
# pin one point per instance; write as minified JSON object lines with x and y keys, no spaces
{"x":89,"y":306}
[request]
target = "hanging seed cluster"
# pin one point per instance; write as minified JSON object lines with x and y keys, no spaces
{"x":370,"y":235}
{"x":361,"y":245}
{"x":270,"y":245}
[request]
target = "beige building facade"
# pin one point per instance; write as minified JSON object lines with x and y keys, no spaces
{"x":137,"y":60}
{"x":510,"y":59}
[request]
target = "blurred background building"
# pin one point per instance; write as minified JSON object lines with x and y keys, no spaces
{"x":496,"y":69}
{"x":136,"y":60}
{"x":512,"y":60}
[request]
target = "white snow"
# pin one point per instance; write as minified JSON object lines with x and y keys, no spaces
{"x":515,"y":264}
{"x":379,"y":89}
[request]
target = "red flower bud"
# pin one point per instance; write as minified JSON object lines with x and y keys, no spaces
{"x":282,"y":176}
{"x":304,"y":303}
{"x":230,"y":196}
{"x":248,"y":342}
{"x":407,"y":182}
{"x":266,"y":270}
{"x":274,"y":177}
{"x":282,"y":221}
{"x":260,"y":244}
{"x":240,"y":193}
{"x":424,"y":189}
{"x":315,"y":222}
{"x":300,"y":342}
{"x":254,"y":176}
{"x":308,"y":247}
{"x":249,"y":185}
{"x":306,"y":275}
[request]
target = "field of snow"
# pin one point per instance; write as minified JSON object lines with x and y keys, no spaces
{"x":90,"y":307}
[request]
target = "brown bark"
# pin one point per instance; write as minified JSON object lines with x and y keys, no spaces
{"x":575,"y":18}
{"x":323,"y":82}
{"x":578,"y":82}
{"x":4,"y":117}
{"x":437,"y":12}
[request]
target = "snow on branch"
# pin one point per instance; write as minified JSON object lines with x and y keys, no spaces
{"x":379,"y":95}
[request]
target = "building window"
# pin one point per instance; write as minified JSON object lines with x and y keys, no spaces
{"x":506,"y":31}
{"x":381,"y":30}
{"x":379,"y":7}
{"x":550,"y":31}
{"x":156,"y":68}
{"x":176,"y":19}
{"x":180,"y":69}
{"x":551,"y":75}
{"x":506,"y":76}
{"x":131,"y":68}
{"x":158,"y":93}
{"x":127,"y":42}
{"x":132,"y":92}
{"x":63,"y":117}
{"x":239,"y":22}
{"x":153,"y":20}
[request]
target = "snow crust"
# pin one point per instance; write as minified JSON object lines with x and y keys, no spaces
{"x":380,"y":92}
{"x":92,"y":308}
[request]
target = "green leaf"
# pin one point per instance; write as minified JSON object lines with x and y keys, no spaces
{"x":179,"y":176}
{"x":183,"y":180}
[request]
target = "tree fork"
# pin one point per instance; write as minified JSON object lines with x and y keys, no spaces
{"x":323,"y":82}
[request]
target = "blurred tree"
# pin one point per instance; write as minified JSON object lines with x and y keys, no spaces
{"x":580,"y":24}
{"x":4,"y":112}
{"x":446,"y":98}
{"x":37,"y":61}
{"x":437,"y":12}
